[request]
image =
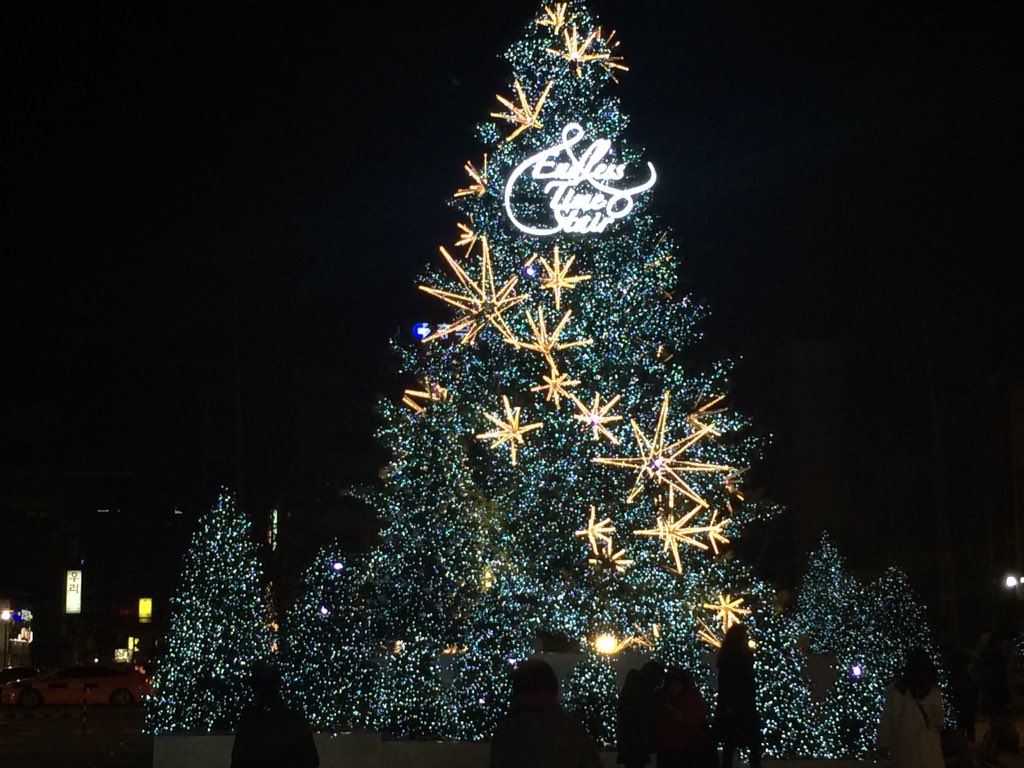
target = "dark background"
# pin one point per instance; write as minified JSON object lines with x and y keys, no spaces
{"x":213,"y":216}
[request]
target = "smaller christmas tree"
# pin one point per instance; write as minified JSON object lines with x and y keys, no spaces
{"x":862,"y":633}
{"x":218,"y":628}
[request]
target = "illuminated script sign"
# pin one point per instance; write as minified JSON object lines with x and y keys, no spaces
{"x":585,"y":190}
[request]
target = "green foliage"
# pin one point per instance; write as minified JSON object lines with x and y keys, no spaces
{"x":865,"y":629}
{"x":218,"y":628}
{"x":479,"y":557}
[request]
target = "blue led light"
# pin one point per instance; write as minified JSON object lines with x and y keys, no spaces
{"x":421,"y":331}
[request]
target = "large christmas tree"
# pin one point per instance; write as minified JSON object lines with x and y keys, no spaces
{"x":563,"y":474}
{"x":218,"y":628}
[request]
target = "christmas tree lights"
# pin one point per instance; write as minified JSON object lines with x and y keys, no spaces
{"x":482,"y":559}
{"x":219,"y":628}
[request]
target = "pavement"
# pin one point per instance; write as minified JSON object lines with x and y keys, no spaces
{"x":104,"y":737}
{"x":67,"y":737}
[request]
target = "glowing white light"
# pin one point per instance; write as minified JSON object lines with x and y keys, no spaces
{"x":5,"y":616}
{"x":856,"y":671}
{"x":1011,"y":582}
{"x":337,"y":566}
{"x":323,"y":611}
{"x":579,"y":188}
{"x":606,"y":644}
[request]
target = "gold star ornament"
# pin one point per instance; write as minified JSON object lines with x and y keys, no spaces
{"x":557,"y":277}
{"x":596,"y":531}
{"x":675,"y":531}
{"x":661,"y":462}
{"x":728,"y":610}
{"x":508,"y":430}
{"x":556,"y":386}
{"x":545,"y":342}
{"x":553,"y":17}
{"x":579,"y":52}
{"x":707,"y":634}
{"x":478,"y":180}
{"x":467,"y":237}
{"x":481,"y":303}
{"x":522,"y":115}
{"x":596,"y":416}
{"x":417,"y":399}
{"x":608,"y":558}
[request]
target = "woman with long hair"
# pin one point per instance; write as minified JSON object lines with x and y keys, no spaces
{"x":912,"y":717}
{"x":736,"y":720}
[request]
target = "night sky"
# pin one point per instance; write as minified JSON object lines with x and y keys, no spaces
{"x":195,"y":193}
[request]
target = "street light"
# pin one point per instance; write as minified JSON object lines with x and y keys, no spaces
{"x":1012,"y":581}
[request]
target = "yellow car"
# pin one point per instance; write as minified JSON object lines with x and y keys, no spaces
{"x":86,"y":683}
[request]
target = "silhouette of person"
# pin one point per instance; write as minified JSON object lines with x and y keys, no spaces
{"x":270,"y":735}
{"x":682,"y":734}
{"x":635,"y":714}
{"x":912,"y":716}
{"x":537,"y":732}
{"x":963,"y":694}
{"x":736,"y":720}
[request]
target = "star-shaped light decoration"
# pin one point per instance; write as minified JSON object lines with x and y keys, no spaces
{"x":523,"y":115}
{"x":596,"y":416}
{"x":556,"y":386}
{"x":467,"y":237}
{"x":612,"y":62}
{"x":674,"y":531}
{"x":610,"y":559}
{"x":545,"y":342}
{"x":554,"y":17}
{"x":732,"y":482}
{"x":708,"y":409}
{"x":728,"y":610}
{"x":508,"y":431}
{"x":579,"y":53}
{"x":482,"y":303}
{"x":478,"y":180}
{"x":597,"y":531}
{"x":556,"y":277}
{"x":707,"y":634}
{"x":660,"y":462}
{"x":418,"y":398}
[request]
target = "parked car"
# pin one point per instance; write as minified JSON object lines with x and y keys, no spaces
{"x":14,"y":674}
{"x":92,"y":683}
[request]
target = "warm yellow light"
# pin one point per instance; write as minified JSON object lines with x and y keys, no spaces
{"x":557,"y":277}
{"x":145,"y":610}
{"x":606,"y":644}
{"x":481,"y":302}
{"x":659,"y":461}
{"x":547,"y":342}
{"x":597,"y":416}
{"x":523,"y":115}
{"x":509,"y":431}
{"x":478,"y":181}
{"x":553,"y":17}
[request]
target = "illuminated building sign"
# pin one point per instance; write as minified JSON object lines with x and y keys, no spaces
{"x":145,"y":610}
{"x":73,"y":592}
{"x":585,"y":191}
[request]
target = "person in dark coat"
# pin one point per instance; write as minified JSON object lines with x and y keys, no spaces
{"x":736,"y":720}
{"x":270,"y":735}
{"x":963,"y":693}
{"x":682,"y":735}
{"x":636,"y":714}
{"x":537,"y":732}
